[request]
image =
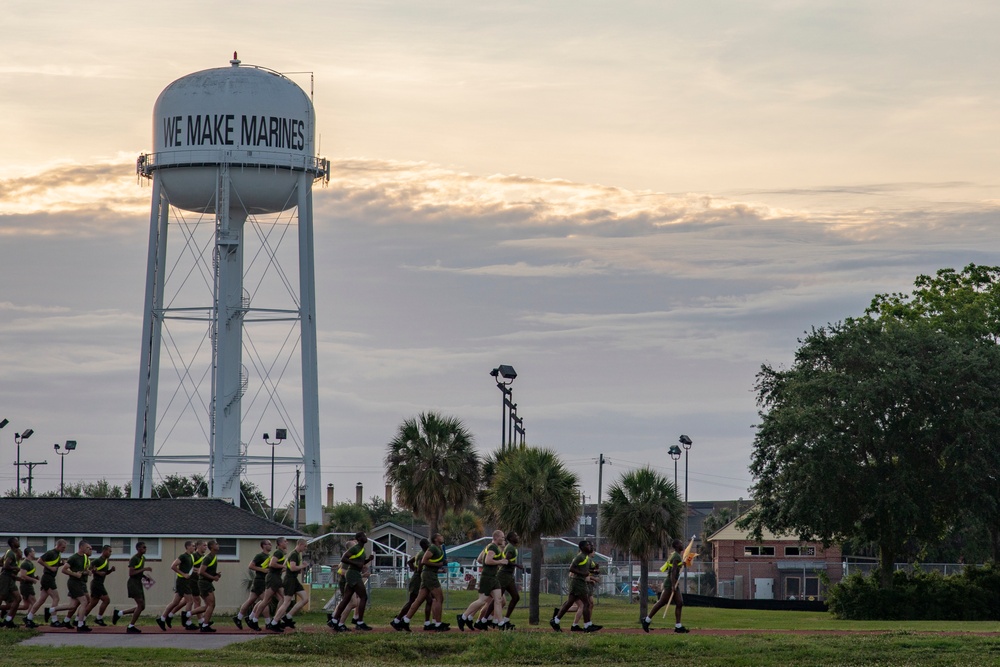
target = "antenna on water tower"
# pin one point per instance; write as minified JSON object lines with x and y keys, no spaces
{"x":230,"y":144}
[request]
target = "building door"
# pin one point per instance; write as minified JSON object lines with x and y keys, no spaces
{"x":793,"y":588}
{"x":764,"y":589}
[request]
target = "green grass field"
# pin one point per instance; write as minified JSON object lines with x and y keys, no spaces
{"x":868,"y":643}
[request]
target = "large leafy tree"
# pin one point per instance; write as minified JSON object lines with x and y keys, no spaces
{"x":533,"y":494}
{"x":433,"y":465}
{"x":643,"y":511}
{"x":965,"y":304}
{"x":873,"y":434}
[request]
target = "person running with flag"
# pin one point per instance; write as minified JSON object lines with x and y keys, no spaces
{"x":672,"y":592}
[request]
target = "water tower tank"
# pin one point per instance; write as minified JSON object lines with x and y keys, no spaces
{"x":256,"y":121}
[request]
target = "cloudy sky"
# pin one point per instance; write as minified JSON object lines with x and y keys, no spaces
{"x":635,"y":204}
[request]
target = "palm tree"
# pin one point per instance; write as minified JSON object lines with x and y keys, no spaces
{"x":459,"y":527}
{"x":433,"y":465}
{"x":642,"y":512}
{"x":533,"y":494}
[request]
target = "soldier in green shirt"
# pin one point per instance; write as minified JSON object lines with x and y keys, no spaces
{"x":50,"y":561}
{"x":10,"y":568}
{"x":272,"y":585}
{"x":208,"y":574}
{"x":101,"y":568}
{"x":579,"y":574}
{"x":489,"y":584}
{"x":674,"y":565}
{"x":259,"y":568}
{"x":137,"y":570}
{"x":296,"y":596}
{"x":354,"y":561}
{"x":507,"y":578}
{"x":430,"y":587}
{"x":29,"y":577}
{"x":197,"y":606}
{"x":182,"y":567}
{"x":77,"y":568}
{"x":413,"y":588}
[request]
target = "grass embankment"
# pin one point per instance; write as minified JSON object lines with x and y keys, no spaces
{"x":911,"y":643}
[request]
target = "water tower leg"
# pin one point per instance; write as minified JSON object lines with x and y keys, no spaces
{"x":228,"y":314}
{"x":310,"y":373}
{"x":149,"y":363}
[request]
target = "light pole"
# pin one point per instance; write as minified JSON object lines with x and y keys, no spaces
{"x":70,"y":446}
{"x":18,"y":437}
{"x":675,"y":453}
{"x":279,"y":435}
{"x":686,"y":443}
{"x":504,"y":376}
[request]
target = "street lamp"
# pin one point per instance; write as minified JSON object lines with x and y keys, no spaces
{"x":18,"y":437}
{"x":675,"y":453}
{"x":70,"y":446}
{"x":686,"y":443}
{"x":504,"y":376}
{"x":279,"y":435}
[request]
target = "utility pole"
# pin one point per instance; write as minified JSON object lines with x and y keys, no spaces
{"x":31,"y":471}
{"x":600,"y":487}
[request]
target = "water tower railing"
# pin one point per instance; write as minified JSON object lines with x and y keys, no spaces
{"x":147,"y":163}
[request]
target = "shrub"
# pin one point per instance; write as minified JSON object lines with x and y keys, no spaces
{"x":973,"y":595}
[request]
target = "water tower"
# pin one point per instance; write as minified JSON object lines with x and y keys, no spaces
{"x":230,"y":144}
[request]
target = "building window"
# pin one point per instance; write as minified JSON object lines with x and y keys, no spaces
{"x":123,"y":548}
{"x":758,"y":551}
{"x":229,"y":548}
{"x":793,"y":588}
{"x":39,"y":544}
{"x":800,"y":551}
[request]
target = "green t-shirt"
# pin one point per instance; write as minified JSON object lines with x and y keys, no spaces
{"x":28,"y":567}
{"x":437,"y":557}
{"x":79,"y":563}
{"x":581,"y":562}
{"x":186,"y":563}
{"x":510,"y":553}
{"x":277,"y":556}
{"x":196,"y":560}
{"x":211,"y":563}
{"x":675,"y":561}
{"x":11,"y":564}
{"x":491,"y":570}
{"x":260,"y":560}
{"x":355,"y":556}
{"x":137,"y":562}
{"x":100,"y":566}
{"x":51,"y":559}
{"x":294,"y":557}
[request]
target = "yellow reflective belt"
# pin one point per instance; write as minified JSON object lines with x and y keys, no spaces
{"x":52,"y":563}
{"x":102,"y":565}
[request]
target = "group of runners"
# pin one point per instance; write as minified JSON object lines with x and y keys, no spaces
{"x":276,"y":594}
{"x":21,"y":570}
